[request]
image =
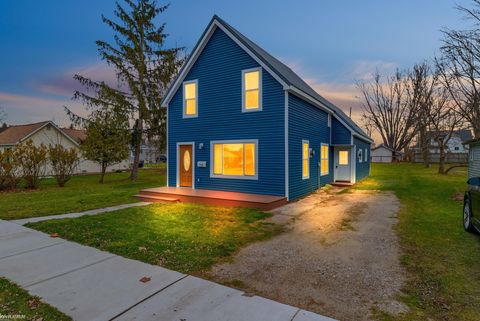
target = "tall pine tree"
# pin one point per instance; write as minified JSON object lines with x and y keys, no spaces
{"x":144,"y":67}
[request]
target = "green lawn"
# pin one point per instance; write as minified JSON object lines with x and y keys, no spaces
{"x":442,"y":261}
{"x":17,"y":302}
{"x":188,"y":238}
{"x":80,"y":194}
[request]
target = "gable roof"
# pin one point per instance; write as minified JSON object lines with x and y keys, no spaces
{"x":286,"y":76}
{"x":15,"y":134}
{"x":465,"y":135}
{"x":387,"y":148}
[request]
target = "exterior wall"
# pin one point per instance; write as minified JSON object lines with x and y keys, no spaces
{"x":474,"y":160}
{"x":49,"y":135}
{"x":362,"y":168}
{"x":306,"y":122}
{"x":340,"y":134}
{"x":381,"y":155}
{"x":454,"y":145}
{"x":218,"y":70}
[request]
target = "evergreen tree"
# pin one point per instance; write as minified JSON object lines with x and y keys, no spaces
{"x":144,"y":67}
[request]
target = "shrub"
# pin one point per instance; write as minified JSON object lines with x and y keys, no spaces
{"x":31,"y":159}
{"x":9,"y":171}
{"x":63,"y":162}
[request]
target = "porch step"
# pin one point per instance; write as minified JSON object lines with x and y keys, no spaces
{"x":341,"y":184}
{"x":157,"y":199}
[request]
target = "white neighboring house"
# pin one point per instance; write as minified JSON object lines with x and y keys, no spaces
{"x":457,"y":143}
{"x":384,"y":154}
{"x":48,"y":133}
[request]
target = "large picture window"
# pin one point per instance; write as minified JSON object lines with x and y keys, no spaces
{"x":305,"y":159}
{"x":236,"y":159}
{"x":252,"y":89}
{"x":324,"y":159}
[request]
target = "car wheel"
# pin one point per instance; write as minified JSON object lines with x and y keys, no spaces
{"x":467,"y":217}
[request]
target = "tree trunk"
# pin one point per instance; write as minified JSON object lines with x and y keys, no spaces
{"x":424,"y":147}
{"x":102,"y":175}
{"x":137,"y":142}
{"x":441,"y":164}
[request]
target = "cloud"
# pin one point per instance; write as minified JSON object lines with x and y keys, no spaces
{"x":21,"y":109}
{"x":64,"y":84}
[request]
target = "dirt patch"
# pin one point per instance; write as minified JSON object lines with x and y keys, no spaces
{"x":339,"y":257}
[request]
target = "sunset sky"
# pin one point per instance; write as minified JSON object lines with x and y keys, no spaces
{"x":332,"y":44}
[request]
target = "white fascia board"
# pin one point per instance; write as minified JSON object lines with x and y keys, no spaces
{"x":194,"y":56}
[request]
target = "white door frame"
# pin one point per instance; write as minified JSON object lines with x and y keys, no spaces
{"x":351,"y":149}
{"x":178,"y":162}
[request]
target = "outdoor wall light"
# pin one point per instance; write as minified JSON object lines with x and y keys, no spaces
{"x":200,"y":146}
{"x":312,"y":152}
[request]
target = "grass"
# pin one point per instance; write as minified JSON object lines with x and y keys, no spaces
{"x":188,"y":238}
{"x":80,"y":194}
{"x":442,"y":260}
{"x":17,"y":304}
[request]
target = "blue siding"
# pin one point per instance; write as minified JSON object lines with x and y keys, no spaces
{"x":306,"y":122}
{"x":219,"y":73}
{"x":341,"y":135}
{"x":363,"y":167}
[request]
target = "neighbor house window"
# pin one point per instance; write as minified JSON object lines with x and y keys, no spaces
{"x":252,"y":89}
{"x":324,"y":159}
{"x":237,"y":159}
{"x":190,"y":101}
{"x":305,"y":159}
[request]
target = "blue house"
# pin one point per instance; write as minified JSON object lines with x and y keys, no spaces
{"x":239,"y":120}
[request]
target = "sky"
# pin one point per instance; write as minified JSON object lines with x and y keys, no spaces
{"x":331,"y":44}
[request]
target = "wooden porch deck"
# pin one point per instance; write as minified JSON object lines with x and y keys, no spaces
{"x":211,"y":197}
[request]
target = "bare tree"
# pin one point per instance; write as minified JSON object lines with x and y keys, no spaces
{"x":385,"y":105}
{"x":421,"y":83}
{"x":444,"y":119}
{"x":460,"y":67}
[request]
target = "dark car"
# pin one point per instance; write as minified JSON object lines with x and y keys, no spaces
{"x":471,"y":206}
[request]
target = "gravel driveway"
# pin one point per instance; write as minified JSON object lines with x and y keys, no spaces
{"x":339,"y":256}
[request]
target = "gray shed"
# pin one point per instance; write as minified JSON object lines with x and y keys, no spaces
{"x":474,"y":158}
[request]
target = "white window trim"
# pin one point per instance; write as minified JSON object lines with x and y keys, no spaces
{"x":304,"y":141}
{"x":365,"y":155}
{"x":260,"y":91}
{"x":195,"y":81}
{"x":327,"y":158}
{"x":237,"y":141}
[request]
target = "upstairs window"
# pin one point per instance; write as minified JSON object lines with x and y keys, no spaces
{"x":305,"y":159}
{"x":190,"y":101}
{"x":252,"y":90}
{"x":324,"y":159}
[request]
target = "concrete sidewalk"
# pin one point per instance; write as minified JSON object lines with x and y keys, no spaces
{"x":90,"y":285}
{"x":96,"y":211}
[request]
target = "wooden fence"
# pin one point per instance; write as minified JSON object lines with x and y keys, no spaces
{"x":454,"y":158}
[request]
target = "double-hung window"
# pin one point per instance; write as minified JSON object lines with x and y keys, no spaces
{"x":324,"y":159}
{"x":234,"y":159}
{"x":252,"y":89}
{"x":190,"y":100}
{"x":305,"y":159}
